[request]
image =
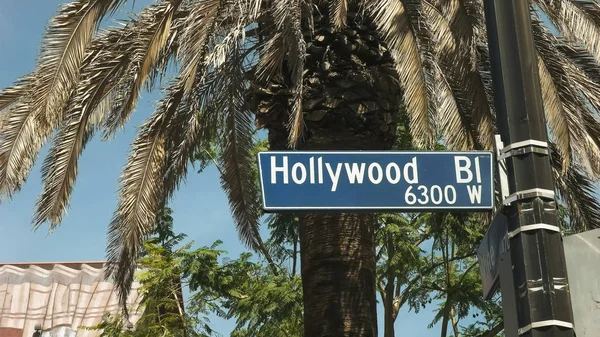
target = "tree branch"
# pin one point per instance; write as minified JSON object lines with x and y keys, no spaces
{"x":495,"y":330}
{"x":424,"y":236}
{"x":447,"y":306}
{"x":181,"y":313}
{"x":462,"y":278}
{"x":295,"y":257}
{"x":454,"y":321}
{"x":269,"y":259}
{"x":219,"y":168}
{"x":381,"y":289}
{"x":402,"y":297}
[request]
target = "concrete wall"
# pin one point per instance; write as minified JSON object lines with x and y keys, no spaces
{"x":583,"y":267}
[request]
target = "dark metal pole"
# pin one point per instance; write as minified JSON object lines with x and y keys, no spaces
{"x":539,"y":269}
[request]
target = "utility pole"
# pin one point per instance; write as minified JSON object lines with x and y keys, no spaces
{"x":536,"y":250}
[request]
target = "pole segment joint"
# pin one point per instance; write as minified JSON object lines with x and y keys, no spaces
{"x":524,"y":147}
{"x":543,"y":324}
{"x":533,"y":227}
{"x":528,"y":194}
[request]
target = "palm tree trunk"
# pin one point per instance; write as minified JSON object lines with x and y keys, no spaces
{"x":351,"y":100}
{"x":338,"y":275}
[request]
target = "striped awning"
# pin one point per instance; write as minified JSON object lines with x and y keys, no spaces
{"x":61,"y":297}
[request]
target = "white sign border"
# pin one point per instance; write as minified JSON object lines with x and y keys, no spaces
{"x":364,"y":208}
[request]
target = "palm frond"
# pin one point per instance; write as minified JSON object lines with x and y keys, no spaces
{"x":462,"y":26}
{"x":184,"y":139}
{"x":218,"y":101}
{"x":338,"y":13}
{"x":271,"y":60}
{"x":62,"y":52}
{"x":199,"y":114}
{"x":582,"y":59}
{"x":556,"y":115}
{"x":308,"y":7}
{"x":464,"y":80}
{"x":591,"y":92}
{"x":236,"y":160}
{"x":559,"y":115}
{"x":28,"y":127}
{"x":577,"y":190}
{"x":11,"y":95}
{"x":188,"y":131}
{"x":141,"y":193}
{"x":193,"y":128}
{"x":394,"y":24}
{"x":424,"y":39}
{"x":585,"y":72}
{"x":100,"y":73}
{"x":449,"y":116}
{"x":198,"y":27}
{"x":591,"y":8}
{"x":18,"y":148}
{"x":286,"y":44}
{"x":277,"y":47}
{"x":254,"y":8}
{"x":577,"y":116}
{"x":454,"y":125}
{"x":296,"y":63}
{"x":476,"y":16}
{"x":574,"y":22}
{"x":153,"y":28}
{"x":167,"y":56}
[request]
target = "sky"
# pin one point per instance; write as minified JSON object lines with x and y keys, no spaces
{"x":200,"y":206}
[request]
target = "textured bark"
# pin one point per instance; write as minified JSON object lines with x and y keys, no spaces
{"x":338,"y":261}
{"x":338,"y":275}
{"x":351,"y":90}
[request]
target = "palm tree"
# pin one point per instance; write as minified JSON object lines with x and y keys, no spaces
{"x":318,"y":75}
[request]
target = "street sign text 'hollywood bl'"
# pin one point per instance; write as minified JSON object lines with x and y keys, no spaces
{"x":376,"y":180}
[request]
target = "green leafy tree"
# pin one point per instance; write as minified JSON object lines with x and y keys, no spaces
{"x":271,"y":304}
{"x":113,"y":327}
{"x":318,"y":75}
{"x":163,"y":310}
{"x":269,"y":294}
{"x":489,"y":321}
{"x":454,"y":283}
{"x":399,"y":257}
{"x":263,"y":301}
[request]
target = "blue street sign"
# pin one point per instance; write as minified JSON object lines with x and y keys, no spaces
{"x":494,"y":244}
{"x":376,"y":180}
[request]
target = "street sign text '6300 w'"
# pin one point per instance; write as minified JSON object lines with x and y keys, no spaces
{"x":370,"y":180}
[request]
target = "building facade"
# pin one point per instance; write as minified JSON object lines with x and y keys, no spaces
{"x":61,"y":298}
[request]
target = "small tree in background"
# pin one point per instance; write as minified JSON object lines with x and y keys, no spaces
{"x":264,"y":299}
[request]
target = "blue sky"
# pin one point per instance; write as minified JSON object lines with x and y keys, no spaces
{"x":200,"y":207}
